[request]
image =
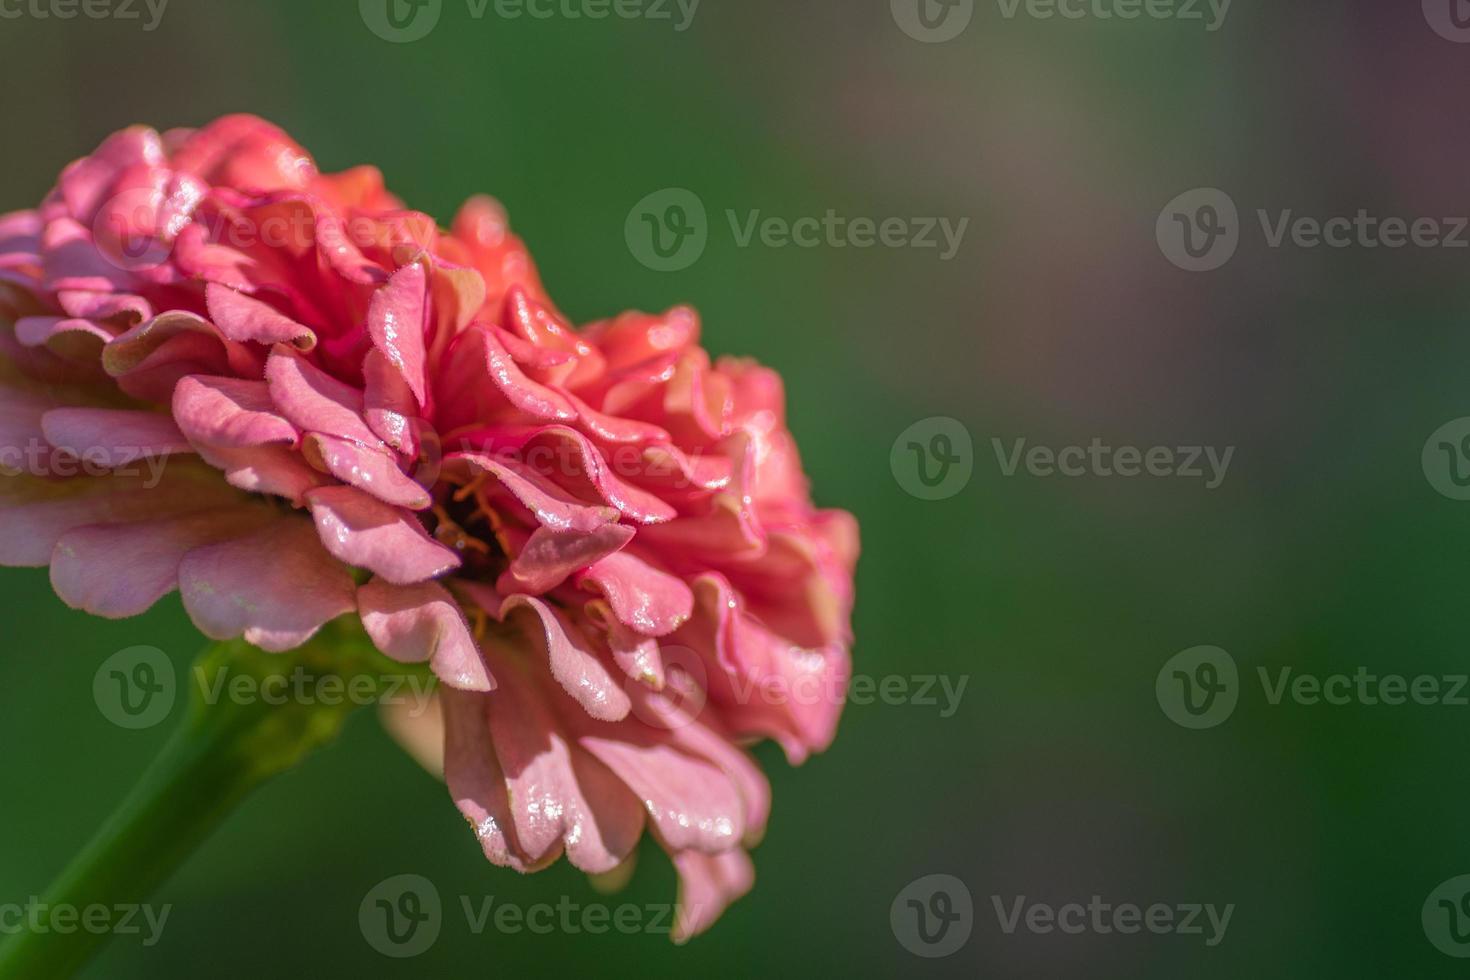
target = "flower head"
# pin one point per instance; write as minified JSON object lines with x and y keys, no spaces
{"x":286,"y":396}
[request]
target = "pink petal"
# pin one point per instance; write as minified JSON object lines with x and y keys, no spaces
{"x":418,"y":623}
{"x":554,"y":507}
{"x":315,"y":401}
{"x":35,"y":331}
{"x":557,"y":795}
{"x":694,"y":805}
{"x":113,"y":437}
{"x":243,"y":318}
{"x":121,"y":570}
{"x":277,"y":586}
{"x":549,"y":557}
{"x":29,"y":529}
{"x":363,"y":531}
{"x":375,"y":471}
{"x":272,"y":470}
{"x":388,"y":403}
{"x":644,"y":598}
{"x":397,"y":321}
{"x":708,"y":884}
{"x":574,"y":664}
{"x":229,"y":412}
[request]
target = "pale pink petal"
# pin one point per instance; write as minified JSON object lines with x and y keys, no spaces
{"x":113,"y":437}
{"x":276,"y":586}
{"x":272,"y":470}
{"x":121,"y":570}
{"x":708,"y":884}
{"x":363,"y":531}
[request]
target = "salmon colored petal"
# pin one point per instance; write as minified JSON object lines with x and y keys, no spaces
{"x":397,"y":319}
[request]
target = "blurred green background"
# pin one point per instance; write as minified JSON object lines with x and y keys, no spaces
{"x":1059,"y":777}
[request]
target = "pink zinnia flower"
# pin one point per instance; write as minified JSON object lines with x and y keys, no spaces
{"x":289,"y":398}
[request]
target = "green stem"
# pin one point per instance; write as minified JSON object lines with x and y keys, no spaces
{"x":227,"y":746}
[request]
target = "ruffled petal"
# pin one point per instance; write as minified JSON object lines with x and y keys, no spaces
{"x":418,"y":623}
{"x":276,"y":586}
{"x":361,"y":530}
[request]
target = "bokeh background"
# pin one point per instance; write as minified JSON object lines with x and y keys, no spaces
{"x":1059,"y":777}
